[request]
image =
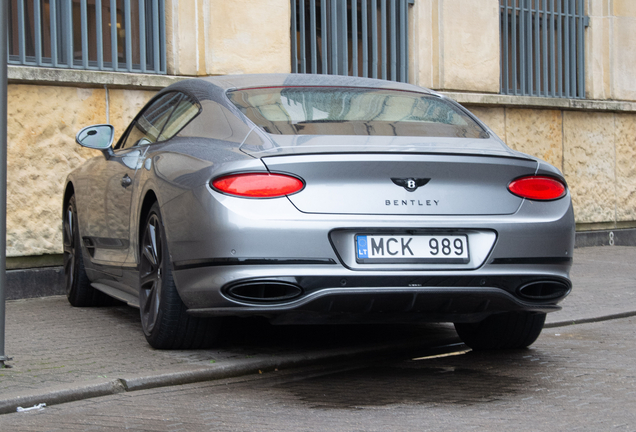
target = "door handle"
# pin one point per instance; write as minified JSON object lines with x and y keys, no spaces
{"x":126,"y":181}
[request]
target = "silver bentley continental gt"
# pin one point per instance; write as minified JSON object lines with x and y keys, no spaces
{"x":310,"y":199}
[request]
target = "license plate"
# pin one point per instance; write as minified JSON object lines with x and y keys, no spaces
{"x":441,"y":249}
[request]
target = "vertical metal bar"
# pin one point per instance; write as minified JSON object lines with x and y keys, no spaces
{"x":53,"y":19}
{"x":393,"y":39}
{"x":354,"y":37}
{"x":522,"y":47}
{"x":544,"y":48}
{"x":334,"y":37}
{"x":128,"y":41}
{"x":100,"y":35}
{"x":505,"y":30}
{"x":142,"y":35}
{"x":113,"y":34}
{"x":343,"y":39}
{"x":383,"y":36}
{"x":37,"y":18}
{"x":159,"y":32}
{"x":404,"y":37}
{"x":537,"y":48}
{"x":324,"y":36}
{"x":312,"y":36}
{"x":529,"y":47}
{"x":566,"y":51}
{"x":68,"y":22}
{"x":4,"y":16}
{"x":513,"y":60}
{"x":374,"y":39}
{"x":581,"y":45}
{"x":303,"y":36}
{"x":573,"y":49}
{"x":84,"y":27}
{"x":553,"y":69}
{"x":559,"y":50}
{"x":294,"y":39}
{"x":21,"y":32}
{"x":365,"y":39}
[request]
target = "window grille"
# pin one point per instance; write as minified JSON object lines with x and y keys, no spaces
{"x":543,"y":48}
{"x":367,"y":38}
{"x":106,"y":35}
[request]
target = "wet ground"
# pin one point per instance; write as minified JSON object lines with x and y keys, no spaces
{"x":580,"y":377}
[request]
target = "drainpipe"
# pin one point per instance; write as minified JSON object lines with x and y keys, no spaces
{"x":4,"y":28}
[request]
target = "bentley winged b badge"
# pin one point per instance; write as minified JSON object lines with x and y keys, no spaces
{"x":410,"y":184}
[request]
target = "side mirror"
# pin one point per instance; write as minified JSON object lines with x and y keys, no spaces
{"x":98,"y":137}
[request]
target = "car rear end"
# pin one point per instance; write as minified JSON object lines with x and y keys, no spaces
{"x":396,"y":208}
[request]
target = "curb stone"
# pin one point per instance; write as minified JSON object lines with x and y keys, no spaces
{"x":65,"y":393}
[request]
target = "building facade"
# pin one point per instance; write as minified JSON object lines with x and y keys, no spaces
{"x":553,"y":78}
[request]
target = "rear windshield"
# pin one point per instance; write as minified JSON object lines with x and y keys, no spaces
{"x":353,"y":111}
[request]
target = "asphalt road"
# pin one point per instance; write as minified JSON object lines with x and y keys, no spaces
{"x":577,"y":377}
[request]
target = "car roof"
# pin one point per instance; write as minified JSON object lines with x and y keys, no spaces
{"x":283,"y":80}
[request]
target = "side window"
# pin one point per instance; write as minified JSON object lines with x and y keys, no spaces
{"x":148,"y":125}
{"x":185,"y":111}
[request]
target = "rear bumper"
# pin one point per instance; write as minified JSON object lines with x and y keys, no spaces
{"x":331,"y":294}
{"x":388,"y":305}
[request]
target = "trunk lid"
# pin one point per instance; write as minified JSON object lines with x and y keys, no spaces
{"x":458,"y":182}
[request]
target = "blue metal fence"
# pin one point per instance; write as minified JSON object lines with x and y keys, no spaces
{"x":107,"y":35}
{"x":367,"y":38}
{"x":543,"y":48}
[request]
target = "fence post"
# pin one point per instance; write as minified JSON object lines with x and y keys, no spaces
{"x":3,"y":171}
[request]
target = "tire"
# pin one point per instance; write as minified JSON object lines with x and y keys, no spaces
{"x":164,"y":317}
{"x":511,"y":330}
{"x":79,"y":291}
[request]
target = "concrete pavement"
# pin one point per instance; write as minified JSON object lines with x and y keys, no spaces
{"x":61,"y":353}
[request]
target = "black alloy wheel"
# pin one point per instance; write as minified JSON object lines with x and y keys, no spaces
{"x":164,"y":317}
{"x":78,"y":287}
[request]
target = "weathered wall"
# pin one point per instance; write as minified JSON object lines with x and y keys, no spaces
{"x":41,"y":150}
{"x":456,"y":44}
{"x":596,"y":152}
{"x":217,"y":37}
{"x":610,"y":55}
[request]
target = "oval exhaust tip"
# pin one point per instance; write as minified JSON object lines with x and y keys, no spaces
{"x":544,"y":290}
{"x":265,"y":291}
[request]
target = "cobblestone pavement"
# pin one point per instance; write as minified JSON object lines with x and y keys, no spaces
{"x":604,"y":284}
{"x":578,"y":378}
{"x":57,"y":347}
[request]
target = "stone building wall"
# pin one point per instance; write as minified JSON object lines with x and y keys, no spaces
{"x":595,"y":150}
{"x":41,"y":151}
{"x":454,"y":49}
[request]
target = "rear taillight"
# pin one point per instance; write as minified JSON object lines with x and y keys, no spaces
{"x":258,"y":185}
{"x":538,"y":188}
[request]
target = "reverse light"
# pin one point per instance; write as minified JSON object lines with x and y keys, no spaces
{"x":258,"y":185}
{"x":538,"y":188}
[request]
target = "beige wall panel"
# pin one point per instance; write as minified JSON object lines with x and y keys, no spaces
{"x":184,"y":42}
{"x":250,"y":36}
{"x":626,"y":167}
{"x":124,"y":105}
{"x":624,"y":56}
{"x":537,"y":133}
{"x":42,"y":123}
{"x":494,"y":118}
{"x":588,"y":163}
{"x":470,"y":38}
{"x":625,"y":8}
{"x":597,"y":56}
{"x":424,"y":34}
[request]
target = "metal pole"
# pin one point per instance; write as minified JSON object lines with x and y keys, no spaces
{"x":3,"y":171}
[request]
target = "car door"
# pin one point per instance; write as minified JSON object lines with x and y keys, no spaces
{"x":114,"y":181}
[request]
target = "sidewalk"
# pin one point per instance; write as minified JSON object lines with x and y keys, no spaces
{"x":61,"y":353}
